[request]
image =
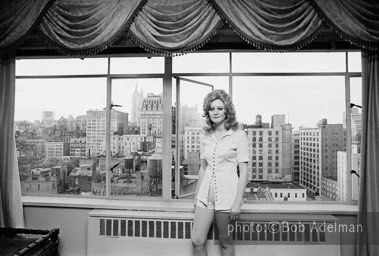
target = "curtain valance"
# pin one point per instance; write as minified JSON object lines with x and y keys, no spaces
{"x":17,"y":17}
{"x":169,"y":27}
{"x":272,"y":24}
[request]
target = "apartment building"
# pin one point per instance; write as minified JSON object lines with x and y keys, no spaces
{"x":151,"y":115}
{"x":270,"y":151}
{"x":318,"y":154}
{"x":96,"y":129}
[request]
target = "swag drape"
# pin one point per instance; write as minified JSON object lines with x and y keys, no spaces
{"x":171,"y":27}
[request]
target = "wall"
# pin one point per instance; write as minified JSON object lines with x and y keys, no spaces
{"x":72,"y":223}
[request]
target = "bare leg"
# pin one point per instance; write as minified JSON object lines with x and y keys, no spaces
{"x":203,"y":221}
{"x":226,"y":239}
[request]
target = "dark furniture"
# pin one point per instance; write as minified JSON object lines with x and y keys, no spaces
{"x":28,"y":242}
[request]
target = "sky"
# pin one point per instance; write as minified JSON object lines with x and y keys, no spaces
{"x":303,"y":100}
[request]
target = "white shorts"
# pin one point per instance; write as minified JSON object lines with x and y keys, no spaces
{"x":211,"y":200}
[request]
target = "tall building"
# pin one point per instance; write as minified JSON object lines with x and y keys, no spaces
{"x":62,"y":124}
{"x":80,"y":122}
{"x":70,"y":123}
{"x":47,"y":118}
{"x":96,"y":129}
{"x":151,"y":115}
{"x":343,"y":173}
{"x":137,"y":100}
{"x":295,"y":164}
{"x":189,"y":117}
{"x":192,"y":140}
{"x":356,"y":124}
{"x":318,"y":154}
{"x":270,"y":150}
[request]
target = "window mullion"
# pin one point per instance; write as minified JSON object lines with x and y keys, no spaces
{"x":108,"y":134}
{"x":167,"y":129}
{"x":348,"y":132}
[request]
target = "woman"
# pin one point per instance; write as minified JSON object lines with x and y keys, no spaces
{"x":220,"y":190}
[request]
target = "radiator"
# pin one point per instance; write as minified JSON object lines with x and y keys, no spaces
{"x":118,"y":232}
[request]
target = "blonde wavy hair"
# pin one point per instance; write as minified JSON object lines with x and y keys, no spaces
{"x":230,"y":120}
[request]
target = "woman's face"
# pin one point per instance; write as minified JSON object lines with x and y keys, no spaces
{"x":217,"y":112}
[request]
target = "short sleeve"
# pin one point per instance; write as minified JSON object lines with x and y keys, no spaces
{"x":242,"y":148}
{"x":202,"y":138}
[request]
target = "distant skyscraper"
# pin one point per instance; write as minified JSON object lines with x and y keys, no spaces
{"x":137,"y":100}
{"x":47,"y":118}
{"x":70,"y":123}
{"x":189,"y":117}
{"x":80,"y":122}
{"x":356,"y":124}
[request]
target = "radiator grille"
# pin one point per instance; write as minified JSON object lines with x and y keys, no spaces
{"x":145,"y":228}
{"x":310,"y":232}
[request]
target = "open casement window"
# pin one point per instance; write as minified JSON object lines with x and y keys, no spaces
{"x":293,"y":108}
{"x":188,"y":133}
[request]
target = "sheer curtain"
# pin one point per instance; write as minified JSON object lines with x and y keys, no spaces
{"x":11,"y":213}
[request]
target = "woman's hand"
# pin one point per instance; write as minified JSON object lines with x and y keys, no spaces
{"x":235,"y":211}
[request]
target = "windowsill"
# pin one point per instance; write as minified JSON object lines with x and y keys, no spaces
{"x":186,"y":206}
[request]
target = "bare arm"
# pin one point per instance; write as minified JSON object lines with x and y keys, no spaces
{"x":236,"y":208}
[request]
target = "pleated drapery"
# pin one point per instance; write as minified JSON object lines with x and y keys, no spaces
{"x":272,"y":24}
{"x":174,"y":26}
{"x":170,"y":27}
{"x":87,"y":27}
{"x":17,"y":17}
{"x":355,"y":21}
{"x":11,"y":213}
{"x":368,"y":214}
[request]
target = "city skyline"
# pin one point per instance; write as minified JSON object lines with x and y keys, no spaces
{"x":304,"y":99}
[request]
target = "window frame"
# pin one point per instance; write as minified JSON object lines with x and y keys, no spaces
{"x":167,"y":76}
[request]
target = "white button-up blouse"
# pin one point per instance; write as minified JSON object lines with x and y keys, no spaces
{"x":222,"y":157}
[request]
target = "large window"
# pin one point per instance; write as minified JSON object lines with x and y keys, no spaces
{"x":98,"y":126}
